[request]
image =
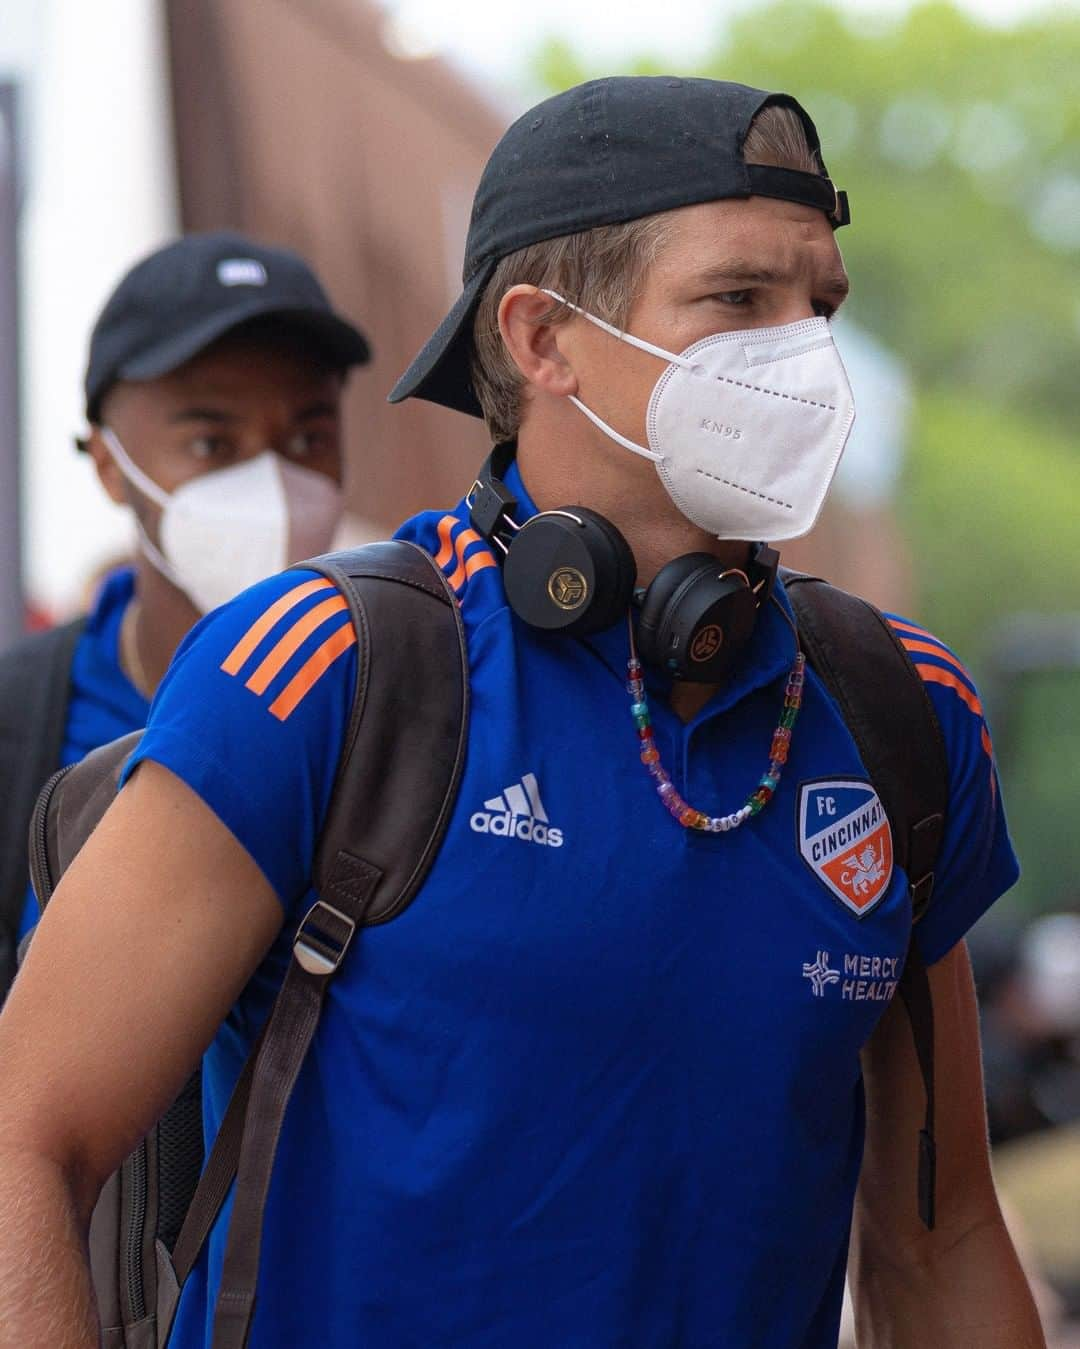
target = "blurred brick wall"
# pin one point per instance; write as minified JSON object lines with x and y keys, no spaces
{"x":295,"y":124}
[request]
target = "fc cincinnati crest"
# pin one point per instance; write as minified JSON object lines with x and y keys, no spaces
{"x":845,"y":840}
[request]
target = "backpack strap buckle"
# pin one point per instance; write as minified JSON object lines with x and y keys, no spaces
{"x":924,"y":844}
{"x":323,"y":939}
{"x":921,"y":891}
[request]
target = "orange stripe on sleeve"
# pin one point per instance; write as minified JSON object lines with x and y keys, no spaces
{"x":901,"y":625}
{"x":465,"y":539}
{"x":988,"y":746}
{"x":934,"y":674}
{"x":446,"y":549}
{"x":287,"y":647}
{"x":479,"y":561}
{"x":258,"y":630}
{"x":928,"y":649}
{"x":313,"y":669}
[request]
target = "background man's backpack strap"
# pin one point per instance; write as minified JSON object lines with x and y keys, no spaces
{"x":145,"y":1199}
{"x":35,"y":685}
{"x":396,"y":783}
{"x":888,"y":712}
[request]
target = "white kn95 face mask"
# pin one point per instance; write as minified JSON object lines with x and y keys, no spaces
{"x":746,"y":428}
{"x":224,"y":530}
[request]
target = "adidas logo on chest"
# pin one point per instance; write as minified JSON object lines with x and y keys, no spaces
{"x":517,"y":812}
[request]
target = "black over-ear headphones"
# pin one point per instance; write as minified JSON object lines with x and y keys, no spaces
{"x":570,"y":570}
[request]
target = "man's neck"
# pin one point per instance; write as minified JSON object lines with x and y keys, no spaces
{"x":687,"y":700}
{"x":565,"y":465}
{"x":560,"y":468}
{"x":160,"y":616}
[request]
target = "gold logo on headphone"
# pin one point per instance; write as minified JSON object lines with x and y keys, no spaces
{"x":707,"y":643}
{"x":568,"y":588}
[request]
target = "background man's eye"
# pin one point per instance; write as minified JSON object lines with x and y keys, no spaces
{"x":210,"y":448}
{"x":305,"y":444}
{"x":734,"y":297}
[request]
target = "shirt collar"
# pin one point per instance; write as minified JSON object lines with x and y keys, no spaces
{"x":770,"y":654}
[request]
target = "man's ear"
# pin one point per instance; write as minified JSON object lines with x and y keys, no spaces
{"x":533,"y":343}
{"x":109,"y":475}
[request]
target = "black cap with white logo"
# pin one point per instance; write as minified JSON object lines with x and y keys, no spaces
{"x":602,"y":153}
{"x":176,"y":302}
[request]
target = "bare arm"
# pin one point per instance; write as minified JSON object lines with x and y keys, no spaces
{"x":150,"y":937}
{"x":960,"y":1285}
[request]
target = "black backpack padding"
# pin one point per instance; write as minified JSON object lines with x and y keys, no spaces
{"x":406,"y":741}
{"x":884,"y":703}
{"x":35,"y":688}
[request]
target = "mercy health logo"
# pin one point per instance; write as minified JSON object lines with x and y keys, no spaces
{"x":863,"y":979}
{"x":819,"y":974}
{"x":517,"y":813}
{"x":844,"y":839}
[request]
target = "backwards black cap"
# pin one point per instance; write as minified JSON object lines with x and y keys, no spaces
{"x":179,"y":300}
{"x":602,"y":153}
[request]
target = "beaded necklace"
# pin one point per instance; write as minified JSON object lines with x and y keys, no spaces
{"x":685,"y":814}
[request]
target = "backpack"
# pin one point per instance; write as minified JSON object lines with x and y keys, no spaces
{"x":412,"y":694}
{"x":411,"y":709}
{"x":35,"y":688}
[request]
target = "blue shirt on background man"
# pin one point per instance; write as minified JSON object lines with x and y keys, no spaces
{"x":103,"y":703}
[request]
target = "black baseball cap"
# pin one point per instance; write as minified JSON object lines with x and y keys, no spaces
{"x":603,"y":153}
{"x":177,"y":301}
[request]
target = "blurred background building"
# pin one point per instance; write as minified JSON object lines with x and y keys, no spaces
{"x":355,"y":131}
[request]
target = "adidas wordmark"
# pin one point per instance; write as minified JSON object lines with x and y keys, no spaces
{"x":517,"y":813}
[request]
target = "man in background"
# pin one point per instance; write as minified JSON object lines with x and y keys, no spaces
{"x":213,"y":397}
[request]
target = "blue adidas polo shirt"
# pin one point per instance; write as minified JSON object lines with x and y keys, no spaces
{"x":599,"y":1085}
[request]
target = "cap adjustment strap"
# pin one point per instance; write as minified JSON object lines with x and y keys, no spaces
{"x":808,"y":189}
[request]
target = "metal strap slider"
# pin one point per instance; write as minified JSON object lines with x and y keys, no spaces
{"x":323,"y":938}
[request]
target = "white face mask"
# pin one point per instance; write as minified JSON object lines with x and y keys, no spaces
{"x":746,"y":429}
{"x":225,"y":530}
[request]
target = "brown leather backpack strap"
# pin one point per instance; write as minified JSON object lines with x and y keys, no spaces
{"x":914,"y":988}
{"x":217,"y":1176}
{"x":892,"y":721}
{"x":409,"y":725}
{"x":405,"y":743}
{"x":320,"y":947}
{"x":68,"y":809}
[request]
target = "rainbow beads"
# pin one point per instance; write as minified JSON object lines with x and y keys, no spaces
{"x":756,"y":802}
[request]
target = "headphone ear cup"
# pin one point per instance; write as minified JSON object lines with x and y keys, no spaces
{"x":616,"y":574}
{"x":696,"y":618}
{"x":569,"y":571}
{"x":652,"y":637}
